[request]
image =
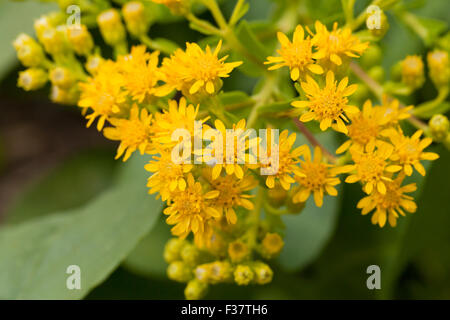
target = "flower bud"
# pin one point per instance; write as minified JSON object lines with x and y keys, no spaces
{"x":32,"y":79}
{"x":238,"y":251}
{"x":195,"y":290}
{"x":439,"y":126}
{"x":62,"y":77}
{"x":177,"y":7}
{"x":378,"y":27}
{"x":377,"y":73}
{"x":190,"y":254}
{"x":55,"y":41}
{"x":93,"y":63}
{"x":172,"y":249}
{"x":221,"y":271}
{"x":203,"y":272}
{"x":243,"y":275}
{"x":135,"y":18}
{"x":271,"y":245}
{"x":111,"y":27}
{"x":277,"y":196}
{"x":48,"y":21}
{"x":263,"y":273}
{"x":64,"y":96}
{"x":439,"y":67}
{"x":29,"y":52}
{"x":179,"y":271}
{"x":371,"y":57}
{"x":413,"y":72}
{"x":80,"y":39}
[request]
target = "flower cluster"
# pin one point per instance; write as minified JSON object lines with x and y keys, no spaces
{"x":223,"y":194}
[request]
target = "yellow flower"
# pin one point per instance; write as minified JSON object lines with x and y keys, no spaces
{"x":272,"y":244}
{"x":337,"y":44}
{"x":408,"y":151}
{"x":297,"y":55}
{"x":167,"y":177}
{"x":179,"y":116}
{"x":413,"y":71}
{"x":365,"y":127}
{"x":328,"y":105}
{"x":439,"y":67}
{"x":195,"y":70}
{"x":231,"y":165}
{"x":133,"y":133}
{"x":140,"y":73}
{"x":238,"y":251}
{"x":389,"y":205}
{"x":103,"y":94}
{"x":393,"y":111}
{"x":319,"y":178}
{"x":232,"y":193}
{"x":371,"y":168}
{"x":288,"y":160}
{"x":191,"y":210}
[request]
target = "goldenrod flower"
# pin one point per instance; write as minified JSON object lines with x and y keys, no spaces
{"x":167,"y":177}
{"x":371,"y":168}
{"x":439,"y":67}
{"x":195,"y":70}
{"x":393,"y":111}
{"x":328,"y":105}
{"x":140,"y":73}
{"x":288,"y":160}
{"x":318,"y":178}
{"x":297,"y":55}
{"x":408,"y":151}
{"x":365,"y":127}
{"x":232,"y":193}
{"x":413,"y":71}
{"x":103,"y":94}
{"x":272,"y":244}
{"x":133,"y":133}
{"x":238,"y":251}
{"x":231,"y":165}
{"x":243,"y":275}
{"x":32,"y":79}
{"x":337,"y":44}
{"x":390,"y":205}
{"x":80,"y":39}
{"x":191,"y":210}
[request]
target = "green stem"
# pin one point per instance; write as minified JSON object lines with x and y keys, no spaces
{"x":430,"y":106}
{"x":208,"y":28}
{"x":261,"y":98}
{"x":154,"y":46}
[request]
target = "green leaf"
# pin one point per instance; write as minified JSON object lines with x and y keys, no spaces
{"x":34,"y":256}
{"x":275,"y":107}
{"x":441,"y":109}
{"x":71,"y":184}
{"x":147,"y":258}
{"x":16,"y":17}
{"x":307,"y":234}
{"x":248,"y":38}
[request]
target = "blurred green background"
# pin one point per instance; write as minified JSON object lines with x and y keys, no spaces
{"x":50,"y":163}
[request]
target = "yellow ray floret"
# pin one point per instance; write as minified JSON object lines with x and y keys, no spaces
{"x":391,"y":204}
{"x":133,"y":133}
{"x":195,"y":70}
{"x":328,"y":105}
{"x":336,"y":45}
{"x":297,"y":55}
{"x":409,"y":151}
{"x":318,"y":178}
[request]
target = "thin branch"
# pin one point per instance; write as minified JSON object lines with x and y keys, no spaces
{"x":308,"y":135}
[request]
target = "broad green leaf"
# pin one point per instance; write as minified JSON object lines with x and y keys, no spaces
{"x":307,"y":234}
{"x":34,"y":256}
{"x":147,"y":258}
{"x":16,"y":17}
{"x":71,"y":184}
